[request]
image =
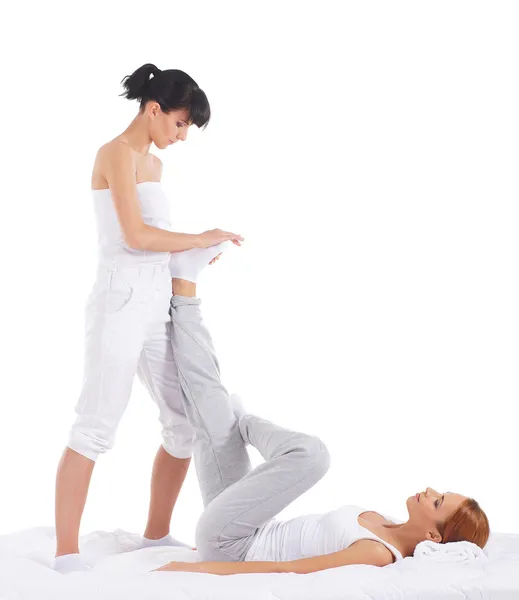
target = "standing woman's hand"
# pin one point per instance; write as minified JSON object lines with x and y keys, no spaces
{"x":215,"y":236}
{"x":216,"y":258}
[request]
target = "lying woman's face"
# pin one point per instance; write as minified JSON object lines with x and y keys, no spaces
{"x":433,"y":506}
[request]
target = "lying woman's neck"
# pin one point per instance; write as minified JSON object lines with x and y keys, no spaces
{"x":405,"y":536}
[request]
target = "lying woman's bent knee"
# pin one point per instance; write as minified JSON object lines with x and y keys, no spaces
{"x":318,"y":456}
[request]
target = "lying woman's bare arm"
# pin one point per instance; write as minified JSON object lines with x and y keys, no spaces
{"x":362,"y":552}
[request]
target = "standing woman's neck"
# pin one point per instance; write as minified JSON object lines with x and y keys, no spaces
{"x":136,"y":135}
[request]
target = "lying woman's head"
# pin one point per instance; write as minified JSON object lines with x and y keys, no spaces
{"x":448,"y":517}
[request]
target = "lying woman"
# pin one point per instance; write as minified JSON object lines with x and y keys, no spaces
{"x":238,"y":532}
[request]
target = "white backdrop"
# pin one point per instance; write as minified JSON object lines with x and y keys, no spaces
{"x":367,"y":151}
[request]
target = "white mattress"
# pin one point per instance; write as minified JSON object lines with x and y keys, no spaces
{"x":120,"y":571}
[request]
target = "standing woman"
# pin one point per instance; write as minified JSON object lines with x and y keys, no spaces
{"x":127,"y":312}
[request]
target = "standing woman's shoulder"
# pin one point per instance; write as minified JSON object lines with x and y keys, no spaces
{"x":115,"y":166}
{"x":158,"y":165}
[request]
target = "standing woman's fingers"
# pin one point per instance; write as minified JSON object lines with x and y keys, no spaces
{"x":215,"y":258}
{"x":235,"y":238}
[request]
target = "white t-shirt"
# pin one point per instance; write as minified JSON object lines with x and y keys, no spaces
{"x":313,"y":535}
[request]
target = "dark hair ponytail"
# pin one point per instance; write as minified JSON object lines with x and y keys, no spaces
{"x":172,"y":89}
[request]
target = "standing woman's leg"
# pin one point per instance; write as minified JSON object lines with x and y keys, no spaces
{"x":113,"y":340}
{"x":167,"y":477}
{"x":72,"y":484}
{"x":157,"y":371}
{"x":294,"y":461}
{"x":114,"y":334}
{"x":116,"y":321}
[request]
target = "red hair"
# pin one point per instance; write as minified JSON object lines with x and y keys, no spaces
{"x":468,"y":523}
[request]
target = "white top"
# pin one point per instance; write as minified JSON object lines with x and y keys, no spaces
{"x":112,"y":250}
{"x":313,"y":535}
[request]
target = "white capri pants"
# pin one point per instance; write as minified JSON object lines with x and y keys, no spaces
{"x":127,"y":331}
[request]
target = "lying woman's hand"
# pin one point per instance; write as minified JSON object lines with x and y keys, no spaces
{"x":179,"y":566}
{"x":225,"y":568}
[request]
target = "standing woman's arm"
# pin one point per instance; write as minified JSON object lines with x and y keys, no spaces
{"x":119,"y":169}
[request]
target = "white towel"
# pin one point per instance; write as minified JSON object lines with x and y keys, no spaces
{"x":458,"y":552}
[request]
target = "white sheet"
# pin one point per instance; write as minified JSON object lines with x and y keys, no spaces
{"x":120,"y":571}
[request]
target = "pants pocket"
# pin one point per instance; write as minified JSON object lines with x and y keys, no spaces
{"x":119,"y":293}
